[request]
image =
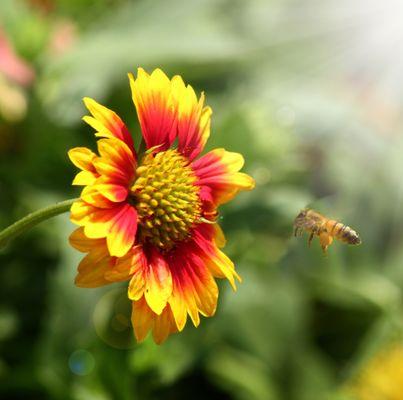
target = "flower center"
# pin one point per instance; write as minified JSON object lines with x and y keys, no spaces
{"x":166,"y":199}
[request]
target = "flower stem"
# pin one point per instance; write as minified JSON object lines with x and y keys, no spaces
{"x":33,"y":219}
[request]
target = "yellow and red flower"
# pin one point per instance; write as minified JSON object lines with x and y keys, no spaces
{"x":150,"y":217}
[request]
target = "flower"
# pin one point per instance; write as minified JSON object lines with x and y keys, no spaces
{"x":150,"y":216}
{"x":381,"y":377}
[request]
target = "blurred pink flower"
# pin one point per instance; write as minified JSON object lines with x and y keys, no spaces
{"x":13,"y":66}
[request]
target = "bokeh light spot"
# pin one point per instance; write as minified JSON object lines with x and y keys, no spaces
{"x":8,"y":324}
{"x":262,"y":175}
{"x":81,"y":362}
{"x":111,"y":318}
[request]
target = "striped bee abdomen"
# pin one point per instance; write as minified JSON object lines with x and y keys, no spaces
{"x":342,"y":232}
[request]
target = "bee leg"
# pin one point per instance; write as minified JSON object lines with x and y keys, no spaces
{"x":325,"y":241}
{"x":297,"y":231}
{"x":310,"y":238}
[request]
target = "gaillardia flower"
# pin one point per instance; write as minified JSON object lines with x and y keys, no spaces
{"x":149,"y":216}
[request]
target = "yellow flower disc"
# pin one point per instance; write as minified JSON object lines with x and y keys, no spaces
{"x":166,"y":199}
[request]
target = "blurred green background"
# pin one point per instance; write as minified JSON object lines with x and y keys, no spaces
{"x":311,"y":93}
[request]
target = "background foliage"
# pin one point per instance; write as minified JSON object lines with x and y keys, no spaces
{"x":311,"y":93}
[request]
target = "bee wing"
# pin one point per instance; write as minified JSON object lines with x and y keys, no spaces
{"x":328,"y":205}
{"x":325,"y":205}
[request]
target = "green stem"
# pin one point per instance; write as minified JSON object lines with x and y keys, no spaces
{"x":33,"y":219}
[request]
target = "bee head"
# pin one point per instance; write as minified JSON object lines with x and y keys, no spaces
{"x":299,"y":219}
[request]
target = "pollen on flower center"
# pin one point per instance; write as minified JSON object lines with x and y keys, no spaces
{"x":166,"y":199}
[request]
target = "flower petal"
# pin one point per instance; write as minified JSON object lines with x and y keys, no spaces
{"x":98,"y":267}
{"x":84,"y":178}
{"x":144,"y":320}
{"x":193,"y":122}
{"x":154,"y":99}
{"x":178,"y":304}
{"x":164,"y":325}
{"x":111,"y":191}
{"x":82,"y":243}
{"x":222,"y":267}
{"x":137,"y":284}
{"x":125,"y":267}
{"x":219,"y":237}
{"x":116,"y":162}
{"x":194,"y":288}
{"x":158,"y":287}
{"x":92,"y":268}
{"x":80,"y":212}
{"x":207,"y":237}
{"x":218,"y":171}
{"x":117,"y":224}
{"x":91,"y":195}
{"x":107,"y":123}
{"x":82,"y":158}
{"x":123,"y":231}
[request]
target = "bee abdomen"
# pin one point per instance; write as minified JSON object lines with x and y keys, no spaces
{"x":348,"y":235}
{"x":344,"y":233}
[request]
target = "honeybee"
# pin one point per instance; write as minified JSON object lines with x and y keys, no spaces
{"x":326,"y":229}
